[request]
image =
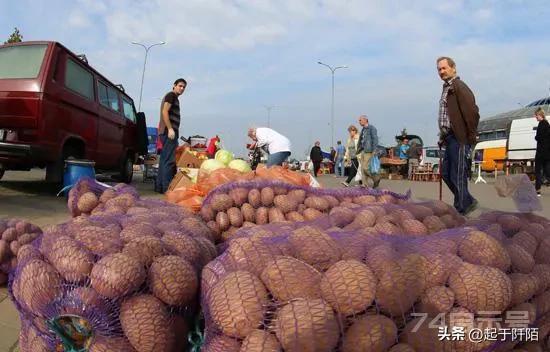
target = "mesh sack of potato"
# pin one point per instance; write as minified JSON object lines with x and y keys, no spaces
{"x":124,"y":282}
{"x":259,"y":202}
{"x":16,"y":235}
{"x":313,"y":286}
{"x":90,"y":196}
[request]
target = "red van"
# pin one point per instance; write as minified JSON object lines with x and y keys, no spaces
{"x":54,"y":106}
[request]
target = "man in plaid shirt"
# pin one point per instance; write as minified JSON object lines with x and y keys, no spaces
{"x":458,"y":120}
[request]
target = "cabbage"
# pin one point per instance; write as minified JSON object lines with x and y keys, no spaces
{"x":211,"y":165}
{"x":240,"y":165}
{"x":225,"y":156}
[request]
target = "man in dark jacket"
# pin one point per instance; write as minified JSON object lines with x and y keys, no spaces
{"x":542,"y":156}
{"x":316,"y":157}
{"x":458,"y":119}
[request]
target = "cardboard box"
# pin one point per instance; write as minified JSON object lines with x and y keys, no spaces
{"x":189,"y":160}
{"x":182,"y":179}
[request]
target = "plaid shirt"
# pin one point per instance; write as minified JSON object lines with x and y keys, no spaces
{"x":444,"y":121}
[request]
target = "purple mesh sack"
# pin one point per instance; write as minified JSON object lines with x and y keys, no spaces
{"x":115,"y":281}
{"x":246,"y":203}
{"x":15,"y":236}
{"x":339,"y":284}
{"x":89,"y":196}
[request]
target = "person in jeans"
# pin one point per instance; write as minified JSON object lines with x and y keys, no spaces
{"x":316,"y":157}
{"x":542,"y":156}
{"x":366,"y":147}
{"x":458,"y":120}
{"x":350,"y":157}
{"x":168,"y":132}
{"x":415,"y":155}
{"x":339,"y":159}
{"x":277,"y":145}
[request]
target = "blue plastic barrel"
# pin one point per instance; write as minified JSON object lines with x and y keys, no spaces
{"x":74,"y":170}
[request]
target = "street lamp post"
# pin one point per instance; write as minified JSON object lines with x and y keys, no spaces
{"x":332,"y":70}
{"x":268,"y":108}
{"x":147,"y":48}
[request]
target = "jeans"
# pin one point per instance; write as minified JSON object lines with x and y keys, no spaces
{"x":352,"y":170}
{"x":455,"y":173}
{"x":339,"y":167}
{"x":365,"y":158}
{"x":542,"y":170}
{"x":167,"y":163}
{"x":412,"y":164}
{"x":277,"y":158}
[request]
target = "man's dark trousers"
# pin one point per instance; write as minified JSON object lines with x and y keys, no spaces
{"x":455,"y":172}
{"x":167,"y":163}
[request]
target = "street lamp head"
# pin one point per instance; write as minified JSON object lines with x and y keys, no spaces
{"x":135,"y":43}
{"x":162,"y":42}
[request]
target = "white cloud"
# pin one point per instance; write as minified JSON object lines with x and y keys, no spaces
{"x":77,"y":19}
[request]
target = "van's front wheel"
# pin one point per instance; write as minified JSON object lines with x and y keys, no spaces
{"x":127,"y":169}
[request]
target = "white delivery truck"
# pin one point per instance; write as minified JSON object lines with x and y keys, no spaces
{"x":522,"y":146}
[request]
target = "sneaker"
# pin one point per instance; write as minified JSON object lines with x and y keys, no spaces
{"x":345,"y":184}
{"x":471,"y":208}
{"x":538,"y":194}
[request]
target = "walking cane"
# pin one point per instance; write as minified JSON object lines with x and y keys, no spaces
{"x":440,"y":178}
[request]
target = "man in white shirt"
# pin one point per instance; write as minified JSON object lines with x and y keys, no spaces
{"x":277,"y":145}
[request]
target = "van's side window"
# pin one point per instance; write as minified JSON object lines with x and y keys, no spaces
{"x":128,"y":110}
{"x":113,"y":99}
{"x":103,"y":96}
{"x":79,"y":80}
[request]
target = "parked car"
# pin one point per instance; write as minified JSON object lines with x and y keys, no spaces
{"x":487,"y":151}
{"x":431,"y":155}
{"x":55,"y":106}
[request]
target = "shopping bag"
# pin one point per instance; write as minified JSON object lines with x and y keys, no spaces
{"x":374,"y":165}
{"x":359,"y":175}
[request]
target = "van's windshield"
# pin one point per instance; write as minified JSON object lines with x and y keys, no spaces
{"x":21,"y":61}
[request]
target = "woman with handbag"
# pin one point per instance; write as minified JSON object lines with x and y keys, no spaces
{"x":350,"y":157}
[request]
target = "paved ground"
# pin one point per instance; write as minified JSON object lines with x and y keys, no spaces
{"x":25,"y":195}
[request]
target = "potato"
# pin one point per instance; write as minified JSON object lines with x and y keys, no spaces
{"x":341,"y":217}
{"x":222,"y":343}
{"x":370,"y":333}
{"x":249,"y":214}
{"x":239,"y":196}
{"x":145,"y":249}
{"x":87,"y":202}
{"x":9,"y":234}
{"x":116,"y":275}
{"x":4,"y":250}
{"x":522,"y":261}
{"x":22,"y":227}
{"x":318,"y":203}
{"x":183,"y":245}
{"x":27,"y":238}
{"x":254,"y":198}
{"x":222,"y":219}
{"x":238,"y":303}
{"x":100,"y":241}
{"x":414,"y":227}
{"x":215,"y":228}
{"x":364,"y":200}
{"x":134,"y":231}
{"x":363,"y":219}
{"x":28,"y":251}
{"x":280,"y":190}
{"x":235,"y":217}
{"x":14,"y":247}
{"x":221,"y":202}
{"x":298,"y":194}
{"x":262,"y":216}
{"x":288,"y":278}
{"x":147,"y":324}
{"x":275,"y":215}
{"x":294,"y":216}
{"x":312,"y":214}
{"x":267,"y":196}
{"x":260,"y":341}
{"x":285,"y":203}
{"x":307,"y":325}
{"x":70,"y":259}
{"x":196,"y":228}
{"x":36,"y":286}
{"x":110,"y":344}
{"x":207,"y":213}
{"x":314,"y":247}
{"x":173,"y":280}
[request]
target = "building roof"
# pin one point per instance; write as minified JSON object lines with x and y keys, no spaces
{"x":501,"y":121}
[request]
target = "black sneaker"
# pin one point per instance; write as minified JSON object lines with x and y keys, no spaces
{"x":471,"y":208}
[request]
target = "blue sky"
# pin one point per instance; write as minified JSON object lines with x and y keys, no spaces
{"x":239,"y":56}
